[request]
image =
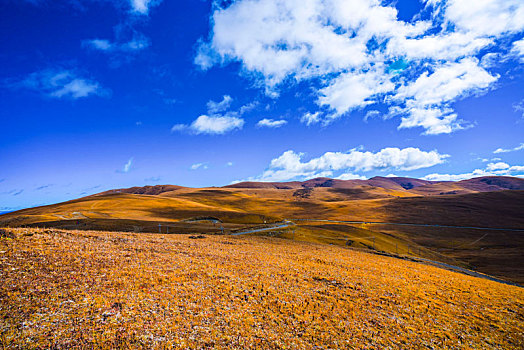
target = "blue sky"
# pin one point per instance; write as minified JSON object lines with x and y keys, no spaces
{"x":100,"y":94}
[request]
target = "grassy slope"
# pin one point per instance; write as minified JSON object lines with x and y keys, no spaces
{"x":62,"y":289}
{"x":498,"y":253}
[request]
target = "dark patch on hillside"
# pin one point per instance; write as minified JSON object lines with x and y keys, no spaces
{"x":488,"y":209}
{"x":303,"y":193}
{"x":355,"y":193}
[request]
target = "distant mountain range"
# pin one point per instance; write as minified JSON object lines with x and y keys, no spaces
{"x":402,"y":184}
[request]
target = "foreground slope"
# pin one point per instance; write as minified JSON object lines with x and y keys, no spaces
{"x":85,"y":289}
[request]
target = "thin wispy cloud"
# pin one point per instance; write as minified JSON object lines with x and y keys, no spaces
{"x":153,"y":179}
{"x":91,"y":188}
{"x":137,"y":43}
{"x":221,"y":106}
{"x":127,"y":166}
{"x":198,"y":166}
{"x":43,"y":187}
{"x":506,"y":150}
{"x":59,"y":83}
{"x":311,"y":118}
{"x":519,"y":107}
{"x":135,"y":7}
{"x":16,"y":192}
{"x":142,"y":7}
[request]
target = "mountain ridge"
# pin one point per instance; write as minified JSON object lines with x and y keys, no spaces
{"x":477,"y":184}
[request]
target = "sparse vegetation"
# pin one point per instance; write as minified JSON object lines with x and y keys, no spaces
{"x":86,"y":289}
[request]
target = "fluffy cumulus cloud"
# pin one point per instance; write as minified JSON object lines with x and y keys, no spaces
{"x":218,"y":120}
{"x":271,"y":123}
{"x":216,"y":124}
{"x":426,"y":100}
{"x":356,"y":53}
{"x":60,"y":84}
{"x":291,"y":165}
{"x":491,"y":169}
{"x":211,"y":125}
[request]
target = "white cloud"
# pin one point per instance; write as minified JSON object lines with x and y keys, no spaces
{"x":371,"y":114}
{"x":354,"y":90}
{"x":518,"y":49}
{"x":350,"y":176}
{"x":289,"y":165}
{"x":427,"y":98}
{"x":218,"y":119}
{"x":127,"y":166}
{"x":271,"y":123}
{"x":348,"y":51}
{"x":142,"y":6}
{"x":137,"y":43}
{"x":503,"y":150}
{"x":446,"y":83}
{"x":229,"y":163}
{"x":491,"y":60}
{"x":76,"y":88}
{"x":310,"y":118}
{"x":457,"y":177}
{"x":277,"y":38}
{"x":215,"y":124}
{"x":60,"y":84}
{"x":519,"y":107}
{"x":434,"y":120}
{"x":99,"y":44}
{"x":248,"y":107}
{"x":492,"y":169}
{"x":199,"y":166}
{"x":138,"y":7}
{"x":215,"y":107}
{"x":497,"y":166}
{"x":486,"y":17}
{"x":179,"y":127}
{"x":440,"y":46}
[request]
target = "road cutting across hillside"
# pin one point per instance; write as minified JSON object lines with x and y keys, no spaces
{"x":284,"y":225}
{"x":411,"y":224}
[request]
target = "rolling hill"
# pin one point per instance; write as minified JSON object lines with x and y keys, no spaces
{"x":488,"y":202}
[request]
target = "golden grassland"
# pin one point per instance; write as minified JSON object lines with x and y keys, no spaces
{"x":498,"y":253}
{"x":88,"y":289}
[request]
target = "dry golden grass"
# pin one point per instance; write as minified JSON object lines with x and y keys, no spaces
{"x":87,"y":289}
{"x":499,"y":253}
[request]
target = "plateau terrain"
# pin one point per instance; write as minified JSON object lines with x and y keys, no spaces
{"x":476,"y":224}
